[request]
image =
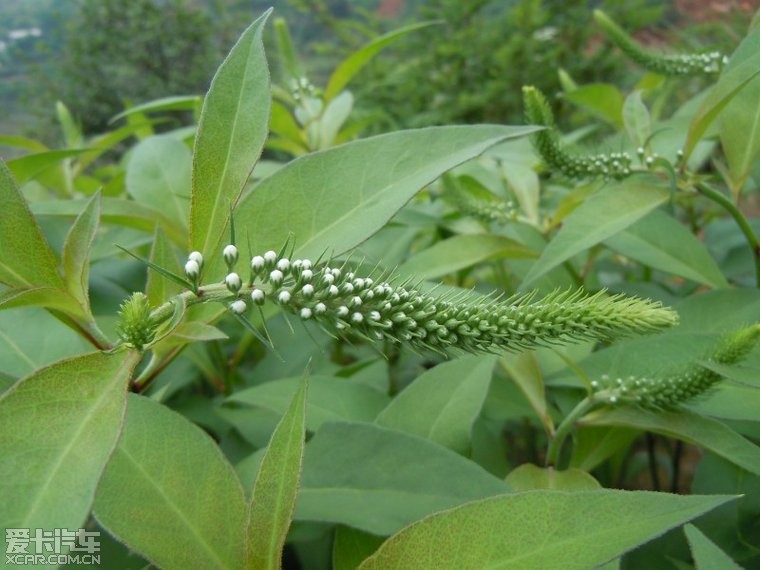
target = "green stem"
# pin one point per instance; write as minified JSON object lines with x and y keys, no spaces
{"x":565,"y":427}
{"x":742,"y":222}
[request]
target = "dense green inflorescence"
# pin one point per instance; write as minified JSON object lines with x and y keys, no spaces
{"x":668,"y":391}
{"x":491,"y":210}
{"x":381,"y":309}
{"x":677,"y":64}
{"x":135,"y":327}
{"x":538,"y":112}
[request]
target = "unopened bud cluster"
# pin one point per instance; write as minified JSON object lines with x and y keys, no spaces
{"x":679,"y":64}
{"x":538,"y":112}
{"x":664,"y":392}
{"x":348,"y":304}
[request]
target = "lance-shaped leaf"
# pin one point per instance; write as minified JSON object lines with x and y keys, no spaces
{"x":231,"y":133}
{"x":442,"y":404}
{"x":76,"y":250}
{"x":169,"y":493}
{"x":25,"y":257}
{"x":610,"y":210}
{"x":339,"y":197}
{"x":539,"y":530}
{"x":274,"y":493}
{"x":58,"y":426}
{"x":707,"y":555}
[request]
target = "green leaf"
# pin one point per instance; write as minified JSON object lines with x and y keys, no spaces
{"x":176,"y":103}
{"x":25,"y":256}
{"x":524,"y":370}
{"x":663,"y":243}
{"x":539,"y":530}
{"x":730,"y":83}
{"x":58,"y":427}
{"x":159,"y":288}
{"x":707,"y":556}
{"x":22,"y":142}
{"x":600,"y":99}
{"x":274,"y":493}
{"x":330,"y":399}
{"x":116,"y":211}
{"x":169,"y":493}
{"x":380,"y":480}
{"x":638,"y":123}
{"x":528,"y":477}
{"x":351,"y":546}
{"x":606,"y":212}
{"x":740,"y":120}
{"x":24,"y":348}
{"x":350,"y":66}
{"x":460,"y":252}
{"x":158,"y":175}
{"x":48,"y":297}
{"x":231,"y":133}
{"x":30,"y":166}
{"x":686,"y":426}
{"x":731,"y":402}
{"x":72,"y":132}
{"x":594,"y":445}
{"x":441,"y":404}
{"x":288,"y":57}
{"x":332,"y":118}
{"x":76,"y":250}
{"x":319,"y":198}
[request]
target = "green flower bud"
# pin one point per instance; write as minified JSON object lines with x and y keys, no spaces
{"x":135,"y":327}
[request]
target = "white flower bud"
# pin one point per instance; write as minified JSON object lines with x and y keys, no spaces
{"x":238,"y":307}
{"x":307,"y":290}
{"x":270,"y":256}
{"x":335,"y":272}
{"x":275,"y":276}
{"x":359,"y":283}
{"x":306,"y":264}
{"x":283,"y":264}
{"x":328,"y":278}
{"x":306,"y":313}
{"x":320,"y":308}
{"x":306,"y":275}
{"x":355,"y":301}
{"x":332,"y":291}
{"x":258,"y":297}
{"x":233,"y":282}
{"x":230,"y":255}
{"x":342,"y":311}
{"x":284,"y":297}
{"x":197,"y":257}
{"x":347,"y":288}
{"x":257,"y":263}
{"x":375,"y":316}
{"x":192,"y":269}
{"x":357,"y":317}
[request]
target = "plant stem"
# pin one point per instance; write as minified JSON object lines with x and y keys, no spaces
{"x":567,"y":424}
{"x":742,"y":222}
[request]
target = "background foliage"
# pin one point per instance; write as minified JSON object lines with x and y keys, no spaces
{"x":255,"y":430}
